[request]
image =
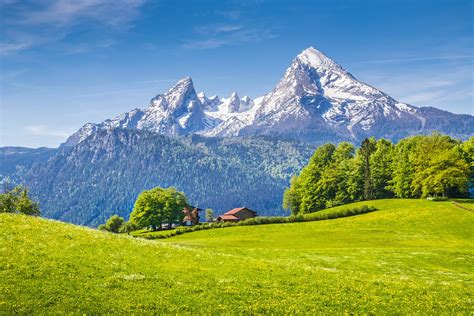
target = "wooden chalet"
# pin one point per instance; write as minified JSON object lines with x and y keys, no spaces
{"x":236,"y":214}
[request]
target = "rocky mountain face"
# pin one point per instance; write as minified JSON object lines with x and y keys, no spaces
{"x":317,"y":101}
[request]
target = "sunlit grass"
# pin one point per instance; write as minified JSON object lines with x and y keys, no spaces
{"x":410,"y":256}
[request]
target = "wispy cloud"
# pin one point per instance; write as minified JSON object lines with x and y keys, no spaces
{"x":12,"y":47}
{"x":418,"y":58}
{"x":442,"y":85}
{"x":214,"y":36}
{"x":67,"y":12}
{"x":31,"y":23}
{"x":43,"y":130}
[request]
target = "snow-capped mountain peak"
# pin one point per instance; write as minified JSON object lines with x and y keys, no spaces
{"x":181,"y":91}
{"x":316,"y":59}
{"x":232,"y":104}
{"x":316,"y":100}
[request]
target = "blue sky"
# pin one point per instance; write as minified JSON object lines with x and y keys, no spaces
{"x":68,"y":62}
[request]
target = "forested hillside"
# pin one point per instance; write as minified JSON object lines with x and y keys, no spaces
{"x":104,"y":174}
{"x":15,"y":161}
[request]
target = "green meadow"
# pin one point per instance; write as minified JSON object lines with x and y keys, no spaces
{"x":410,"y":256}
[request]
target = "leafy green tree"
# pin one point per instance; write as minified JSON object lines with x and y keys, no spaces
{"x":17,"y":200}
{"x":312,"y":189}
{"x":8,"y":201}
{"x":366,"y":150}
{"x":127,"y":227}
{"x":343,"y":168}
{"x":323,"y":183}
{"x":446,"y":175}
{"x":439,"y":167}
{"x":468,"y":154}
{"x":209,"y":215}
{"x":114,"y":224}
{"x":355,"y":179}
{"x":403,"y":170}
{"x":157,"y":206}
{"x":381,"y":169}
{"x":292,"y":196}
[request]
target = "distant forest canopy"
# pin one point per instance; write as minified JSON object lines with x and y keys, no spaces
{"x":415,"y":167}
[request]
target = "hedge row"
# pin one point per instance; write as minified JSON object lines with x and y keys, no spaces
{"x":317,"y":216}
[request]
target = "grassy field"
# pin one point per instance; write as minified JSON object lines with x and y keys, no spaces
{"x":411,"y":256}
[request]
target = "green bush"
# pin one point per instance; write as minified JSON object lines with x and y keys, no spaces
{"x":17,"y":200}
{"x":316,"y":216}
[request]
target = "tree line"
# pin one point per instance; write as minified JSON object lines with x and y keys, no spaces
{"x":415,"y":167}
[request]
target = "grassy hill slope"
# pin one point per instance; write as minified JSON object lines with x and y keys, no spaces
{"x":410,"y":256}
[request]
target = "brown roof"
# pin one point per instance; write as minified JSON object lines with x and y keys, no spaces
{"x":228,"y":216}
{"x":236,"y":210}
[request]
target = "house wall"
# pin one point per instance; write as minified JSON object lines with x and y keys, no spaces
{"x":220,"y":219}
{"x":244,"y":214}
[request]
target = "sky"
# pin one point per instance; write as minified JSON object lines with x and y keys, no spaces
{"x":64,"y":63}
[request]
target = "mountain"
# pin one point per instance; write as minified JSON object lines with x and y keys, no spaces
{"x":103,"y":174}
{"x":17,"y":161}
{"x":317,"y":101}
{"x":222,"y":152}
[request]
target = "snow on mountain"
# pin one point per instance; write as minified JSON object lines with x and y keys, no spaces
{"x":316,"y":100}
{"x":180,"y":111}
{"x":317,"y":96}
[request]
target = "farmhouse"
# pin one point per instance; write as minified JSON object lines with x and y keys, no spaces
{"x":191,"y":215}
{"x":236,"y":214}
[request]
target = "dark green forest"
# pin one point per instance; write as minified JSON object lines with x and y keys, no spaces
{"x":434,"y":166}
{"x":104,"y":174}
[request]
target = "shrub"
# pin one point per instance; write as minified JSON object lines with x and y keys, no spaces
{"x":316,"y":216}
{"x":18,"y":200}
{"x":116,"y":224}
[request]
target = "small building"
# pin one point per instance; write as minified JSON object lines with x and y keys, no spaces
{"x":236,"y":214}
{"x":191,"y":215}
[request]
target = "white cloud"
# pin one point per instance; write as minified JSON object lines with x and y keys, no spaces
{"x":418,"y":58}
{"x":440,"y":85}
{"x":217,"y":29}
{"x":66,"y":12}
{"x":214,"y":36}
{"x":31,"y":23}
{"x":8,"y":48}
{"x":43,"y":130}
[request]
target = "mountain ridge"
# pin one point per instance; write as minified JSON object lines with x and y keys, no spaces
{"x":316,"y":100}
